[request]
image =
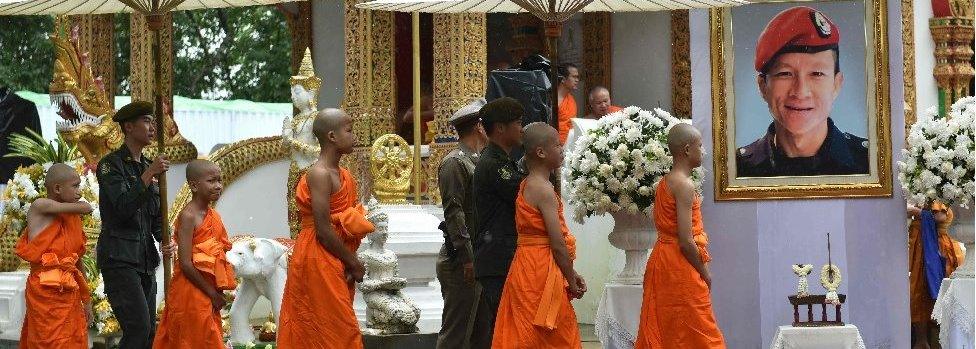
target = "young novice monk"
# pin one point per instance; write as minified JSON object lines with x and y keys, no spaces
{"x":191,"y":318}
{"x":535,"y":311}
{"x":677,"y":306}
{"x":58,"y":299}
{"x":316,"y":311}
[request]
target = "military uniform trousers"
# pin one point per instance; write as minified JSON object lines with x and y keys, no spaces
{"x":460,"y":303}
{"x":132,"y":295}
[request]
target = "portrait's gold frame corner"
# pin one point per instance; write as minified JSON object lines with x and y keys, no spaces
{"x":876,"y":14}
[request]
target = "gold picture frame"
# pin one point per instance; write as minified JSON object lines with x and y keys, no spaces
{"x":876,"y":183}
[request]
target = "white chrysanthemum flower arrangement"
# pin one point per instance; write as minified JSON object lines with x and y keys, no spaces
{"x":939,"y":157}
{"x":617,"y":165}
{"x":28,"y":185}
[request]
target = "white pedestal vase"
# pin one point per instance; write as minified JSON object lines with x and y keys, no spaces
{"x":962,"y":231}
{"x":635,"y":234}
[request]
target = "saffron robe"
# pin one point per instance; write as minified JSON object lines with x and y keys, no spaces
{"x":920,"y":302}
{"x":676,"y":311}
{"x":316,"y":310}
{"x":567,"y":111}
{"x":535,"y":311}
{"x":55,"y":316}
{"x":189,"y":320}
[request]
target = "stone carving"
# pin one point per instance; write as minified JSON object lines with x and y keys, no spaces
{"x":262,"y":267}
{"x":388,"y":310}
{"x":296,"y":133}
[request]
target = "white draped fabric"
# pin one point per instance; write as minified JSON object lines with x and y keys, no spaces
{"x":954,"y":311}
{"x":831,"y":337}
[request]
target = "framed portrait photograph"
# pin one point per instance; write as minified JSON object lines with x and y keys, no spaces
{"x":800,"y":100}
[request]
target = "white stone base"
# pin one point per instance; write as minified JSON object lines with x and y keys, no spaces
{"x":12,"y":303}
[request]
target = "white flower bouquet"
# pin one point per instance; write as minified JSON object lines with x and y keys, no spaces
{"x":939,"y":157}
{"x":28,"y":185}
{"x":617,"y":165}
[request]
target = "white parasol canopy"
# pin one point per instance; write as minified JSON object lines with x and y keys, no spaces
{"x":90,"y":7}
{"x":547,"y":10}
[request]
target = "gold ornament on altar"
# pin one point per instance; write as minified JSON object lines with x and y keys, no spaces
{"x":391,"y":164}
{"x":81,"y":100}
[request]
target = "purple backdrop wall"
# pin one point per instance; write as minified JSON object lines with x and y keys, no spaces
{"x":754,"y":242}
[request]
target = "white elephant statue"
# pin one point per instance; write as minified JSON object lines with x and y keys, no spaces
{"x":262,"y":267}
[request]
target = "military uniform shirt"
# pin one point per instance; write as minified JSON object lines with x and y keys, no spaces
{"x":454,"y":182}
{"x":495,"y":185}
{"x":841,"y":154}
{"x":130,"y":213}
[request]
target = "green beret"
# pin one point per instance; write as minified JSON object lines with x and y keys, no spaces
{"x":505,"y":109}
{"x":133,"y":110}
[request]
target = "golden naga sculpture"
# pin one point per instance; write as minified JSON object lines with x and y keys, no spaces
{"x":81,"y":101}
{"x":391,"y":164}
{"x":83,"y":104}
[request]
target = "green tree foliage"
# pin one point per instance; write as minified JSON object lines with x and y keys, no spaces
{"x":26,"y":53}
{"x":232,"y":53}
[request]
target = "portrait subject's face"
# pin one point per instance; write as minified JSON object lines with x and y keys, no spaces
{"x":800,"y":89}
{"x":600,"y":103}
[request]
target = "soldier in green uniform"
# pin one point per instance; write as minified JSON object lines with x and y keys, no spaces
{"x":798,"y":61}
{"x":131,"y":224}
{"x":495,"y":185}
{"x":455,"y":265}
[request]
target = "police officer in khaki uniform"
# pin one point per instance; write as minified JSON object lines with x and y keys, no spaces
{"x":799,"y":77}
{"x":495,"y":185}
{"x":455,"y":265}
{"x":129,"y":204}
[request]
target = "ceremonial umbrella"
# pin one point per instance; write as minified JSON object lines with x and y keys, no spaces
{"x":154,"y":11}
{"x":552,"y":12}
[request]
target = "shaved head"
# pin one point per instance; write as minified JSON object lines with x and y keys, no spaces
{"x":538,"y":134}
{"x":598,"y":90}
{"x":328,"y":120}
{"x":681,"y":135}
{"x":197,"y":168}
{"x":59,"y":174}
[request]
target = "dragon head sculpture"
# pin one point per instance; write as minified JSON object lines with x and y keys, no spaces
{"x":81,"y":101}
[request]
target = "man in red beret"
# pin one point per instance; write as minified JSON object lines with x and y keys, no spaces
{"x":799,"y":77}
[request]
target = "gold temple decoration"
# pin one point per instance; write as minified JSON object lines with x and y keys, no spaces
{"x":391,"y":167}
{"x":307,"y":79}
{"x":460,"y":75}
{"x":908,"y":61}
{"x":597,"y":53}
{"x":96,"y":36}
{"x":81,"y":98}
{"x":369,"y":84}
{"x":178,"y":149}
{"x":300,"y":28}
{"x":235,"y":160}
{"x":953,"y":37}
{"x":680,"y":64}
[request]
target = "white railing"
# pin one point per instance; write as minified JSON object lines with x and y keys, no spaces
{"x":205,"y":128}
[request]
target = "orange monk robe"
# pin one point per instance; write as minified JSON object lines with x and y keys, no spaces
{"x":677,"y":308}
{"x":189,"y":320}
{"x":55,"y":316}
{"x":316,"y":311}
{"x":567,"y":111}
{"x":535,"y":311}
{"x":921,"y":303}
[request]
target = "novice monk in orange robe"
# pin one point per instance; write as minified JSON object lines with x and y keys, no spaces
{"x":534,"y":311}
{"x":677,"y":306}
{"x":58,"y":299}
{"x":191,"y":318}
{"x":316,"y":311}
